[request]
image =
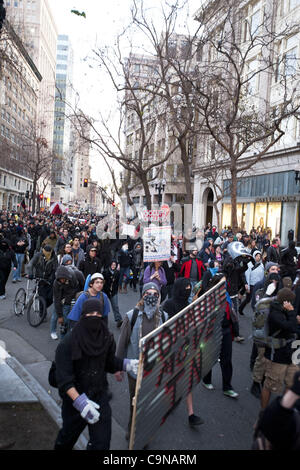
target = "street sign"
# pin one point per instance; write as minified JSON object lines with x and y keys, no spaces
{"x":173,"y":359}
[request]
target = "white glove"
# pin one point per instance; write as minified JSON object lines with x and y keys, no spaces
{"x":87,"y":408}
{"x":131,"y":365}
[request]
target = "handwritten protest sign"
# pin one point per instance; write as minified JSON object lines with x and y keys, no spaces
{"x":173,"y":360}
{"x":156,"y":215}
{"x":157,"y":243}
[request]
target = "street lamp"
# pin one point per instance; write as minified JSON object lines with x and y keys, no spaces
{"x":160,"y":187}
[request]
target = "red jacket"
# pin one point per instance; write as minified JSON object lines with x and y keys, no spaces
{"x":186,"y":268}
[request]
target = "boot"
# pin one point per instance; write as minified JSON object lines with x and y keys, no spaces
{"x":256,"y":389}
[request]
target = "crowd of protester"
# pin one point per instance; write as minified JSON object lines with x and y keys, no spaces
{"x":83,"y":271}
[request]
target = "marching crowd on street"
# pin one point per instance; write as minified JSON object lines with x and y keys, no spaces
{"x":83,"y":273}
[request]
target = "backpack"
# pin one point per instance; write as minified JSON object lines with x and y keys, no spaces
{"x":135,"y":315}
{"x":260,"y":326}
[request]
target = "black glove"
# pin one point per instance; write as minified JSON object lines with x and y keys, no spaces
{"x":296,"y":385}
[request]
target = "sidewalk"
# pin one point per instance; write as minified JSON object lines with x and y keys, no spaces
{"x":30,"y":412}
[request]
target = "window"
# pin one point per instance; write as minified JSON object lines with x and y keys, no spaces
{"x":294,"y":4}
{"x":291,"y":62}
{"x":255,"y":22}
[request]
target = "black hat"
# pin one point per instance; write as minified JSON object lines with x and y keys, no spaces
{"x":92,"y":305}
{"x":47,"y":248}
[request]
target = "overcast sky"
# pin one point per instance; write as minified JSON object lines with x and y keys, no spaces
{"x":104,"y":20}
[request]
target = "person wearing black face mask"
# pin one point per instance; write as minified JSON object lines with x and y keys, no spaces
{"x":82,"y":359}
{"x":178,"y":301}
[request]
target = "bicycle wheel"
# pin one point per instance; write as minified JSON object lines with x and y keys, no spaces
{"x":20,"y":302}
{"x":36,"y":311}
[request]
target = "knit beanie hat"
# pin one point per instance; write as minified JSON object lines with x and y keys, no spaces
{"x":65,"y":259}
{"x":150,"y":285}
{"x":91,"y":305}
{"x":269,"y":264}
{"x":285,"y":294}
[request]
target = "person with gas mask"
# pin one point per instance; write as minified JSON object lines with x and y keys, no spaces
{"x":83,"y":357}
{"x":7,"y":259}
{"x":174,"y":305}
{"x":137,"y":323}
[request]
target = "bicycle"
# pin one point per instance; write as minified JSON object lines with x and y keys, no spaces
{"x":34,"y":304}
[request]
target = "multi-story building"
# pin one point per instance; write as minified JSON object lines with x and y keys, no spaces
{"x":19,"y":87}
{"x":267,"y":194}
{"x":62,"y":185}
{"x":34,"y":23}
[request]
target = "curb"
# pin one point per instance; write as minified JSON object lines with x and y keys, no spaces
{"x":38,"y":391}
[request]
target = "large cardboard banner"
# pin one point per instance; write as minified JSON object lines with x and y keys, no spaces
{"x":157,"y":243}
{"x":173,"y":360}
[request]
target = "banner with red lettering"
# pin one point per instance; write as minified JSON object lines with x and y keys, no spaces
{"x":173,"y":360}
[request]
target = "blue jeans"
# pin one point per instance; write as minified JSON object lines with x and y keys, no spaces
{"x":54,"y":318}
{"x":124,"y":272}
{"x":17,"y":272}
{"x":115,"y":308}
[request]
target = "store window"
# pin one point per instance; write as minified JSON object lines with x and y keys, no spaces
{"x":274,"y":216}
{"x":260,"y":215}
{"x":226,"y":216}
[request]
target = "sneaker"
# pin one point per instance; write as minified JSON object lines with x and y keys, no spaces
{"x":231,"y":393}
{"x":195,"y":420}
{"x":208,"y":386}
{"x":19,"y":280}
{"x":2,"y":297}
{"x":14,"y":281}
{"x":239,"y":339}
{"x":54,"y":336}
{"x":256,"y":390}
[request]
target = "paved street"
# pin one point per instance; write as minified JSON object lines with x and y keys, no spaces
{"x":228,"y":422}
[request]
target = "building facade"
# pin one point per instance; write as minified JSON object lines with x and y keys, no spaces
{"x":267,"y":193}
{"x":19,"y":87}
{"x":34,"y":23}
{"x":62,"y":185}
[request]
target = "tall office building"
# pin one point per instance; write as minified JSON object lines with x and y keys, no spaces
{"x":62,"y":178}
{"x":34,"y":23}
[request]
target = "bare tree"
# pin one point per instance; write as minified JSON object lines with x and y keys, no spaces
{"x":238,"y":113}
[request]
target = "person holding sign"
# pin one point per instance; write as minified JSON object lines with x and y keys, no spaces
{"x":155,"y":273}
{"x":138,"y":322}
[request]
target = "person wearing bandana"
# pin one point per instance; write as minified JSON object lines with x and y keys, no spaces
{"x":148,"y":316}
{"x":83,"y":357}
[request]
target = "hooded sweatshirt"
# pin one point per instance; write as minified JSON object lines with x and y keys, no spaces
{"x":179,"y":299}
{"x":255,"y":272}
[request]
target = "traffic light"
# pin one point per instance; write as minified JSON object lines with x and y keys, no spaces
{"x":85,"y":182}
{"x":41,"y":197}
{"x":113,"y":203}
{"x":27,"y":195}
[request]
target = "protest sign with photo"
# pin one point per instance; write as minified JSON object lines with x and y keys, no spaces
{"x":157,"y":243}
{"x":173,"y":360}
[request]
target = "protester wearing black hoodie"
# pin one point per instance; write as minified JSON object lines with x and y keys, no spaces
{"x":111,"y":287}
{"x":91,"y":264}
{"x":83,"y":358}
{"x":178,"y":301}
